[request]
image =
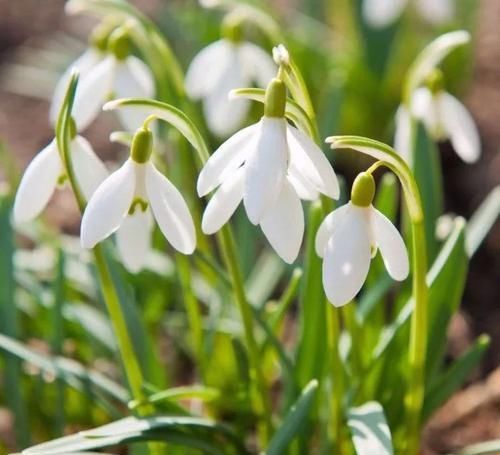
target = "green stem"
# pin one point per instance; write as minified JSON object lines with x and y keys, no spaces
{"x":110,"y":295}
{"x":418,"y":332}
{"x":352,"y":326}
{"x":418,"y":340}
{"x":337,"y":376}
{"x":261,"y":403}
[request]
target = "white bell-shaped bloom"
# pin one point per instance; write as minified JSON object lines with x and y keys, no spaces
{"x":127,"y":201}
{"x":382,"y":13}
{"x":127,"y":77}
{"x":347,"y":239}
{"x":221,"y":67}
{"x":444,"y":117}
{"x":270,"y":165}
{"x":84,"y":64}
{"x":46,"y":172}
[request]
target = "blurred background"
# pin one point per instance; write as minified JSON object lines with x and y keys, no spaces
{"x":355,"y":78}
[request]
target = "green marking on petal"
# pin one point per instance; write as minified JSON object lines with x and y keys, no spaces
{"x":143,"y":205}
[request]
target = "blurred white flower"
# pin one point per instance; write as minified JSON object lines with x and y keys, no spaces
{"x":444,"y":117}
{"x":46,"y":172}
{"x":84,"y":64}
{"x":347,"y":240}
{"x":221,"y":67}
{"x":382,"y":13}
{"x":126,"y":203}
{"x":105,"y":74}
{"x":271,"y":165}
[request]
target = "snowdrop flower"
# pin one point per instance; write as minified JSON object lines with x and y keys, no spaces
{"x":128,"y":200}
{"x":227,"y":64}
{"x":382,"y":13}
{"x":271,"y":166}
{"x":117,"y":74}
{"x":349,"y":237}
{"x":443,"y":116}
{"x":46,"y":172}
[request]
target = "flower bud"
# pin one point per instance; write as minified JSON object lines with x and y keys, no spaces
{"x":119,"y":43}
{"x":275,"y":102}
{"x":363,"y":190}
{"x":142,"y":145}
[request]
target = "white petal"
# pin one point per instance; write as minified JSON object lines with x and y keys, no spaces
{"x":381,"y":13}
{"x":259,"y":65}
{"x":226,"y":159}
{"x":83,"y":64}
{"x":38,"y":183}
{"x":347,"y":257}
{"x":304,"y":189}
{"x":460,"y":127}
{"x":283,"y":224}
{"x":424,"y":108}
{"x":133,"y":79}
{"x":207,"y":68}
{"x":224,"y":202}
{"x":328,"y":225}
{"x":391,"y":245}
{"x":402,"y":134}
{"x":170,"y":211}
{"x":308,"y":159}
{"x":133,"y":239}
{"x":436,"y":11}
{"x":265,"y":169}
{"x":108,"y":206}
{"x":89,"y":169}
{"x":92,"y":92}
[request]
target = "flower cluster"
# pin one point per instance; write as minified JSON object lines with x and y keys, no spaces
{"x":271,"y":165}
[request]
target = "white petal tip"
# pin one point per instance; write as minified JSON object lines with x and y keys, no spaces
{"x":337,"y":304}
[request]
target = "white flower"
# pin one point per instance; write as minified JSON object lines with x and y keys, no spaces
{"x":127,"y":201}
{"x":281,"y":55}
{"x":115,"y":77}
{"x":221,"y":67}
{"x":84,"y":65}
{"x":444,"y":117}
{"x":381,"y":13}
{"x":46,"y":172}
{"x":347,"y":240}
{"x":271,"y":165}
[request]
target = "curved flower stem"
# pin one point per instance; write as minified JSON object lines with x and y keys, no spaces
{"x":262,"y":405}
{"x":128,"y":356}
{"x":418,"y":332}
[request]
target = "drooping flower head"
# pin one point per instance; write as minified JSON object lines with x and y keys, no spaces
{"x":444,"y":117}
{"x":382,"y":13}
{"x":271,"y":166}
{"x":224,"y":65}
{"x":107,"y":70}
{"x":46,"y":172}
{"x":128,"y":200}
{"x":350,"y":236}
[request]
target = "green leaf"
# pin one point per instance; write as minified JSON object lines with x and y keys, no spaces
{"x":482,"y":221}
{"x":312,"y":322}
{"x":427,"y":172}
{"x":167,"y":113}
{"x":370,"y":432}
{"x":181,"y":393}
{"x":293,"y":110}
{"x":68,"y":370}
{"x":454,"y":377}
{"x":438,"y":278}
{"x":293,"y":421}
{"x":189,"y":431}
{"x":9,"y":324}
